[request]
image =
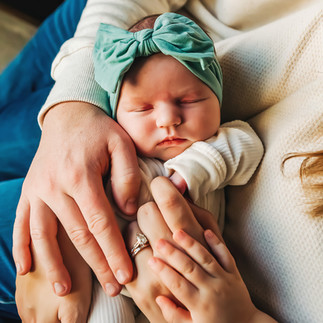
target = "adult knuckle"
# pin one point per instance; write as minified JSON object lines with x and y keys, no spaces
{"x":98,"y":223}
{"x":129,"y":177}
{"x":171,"y":201}
{"x":80,"y":237}
{"x":38,"y":234}
{"x":102,"y":269}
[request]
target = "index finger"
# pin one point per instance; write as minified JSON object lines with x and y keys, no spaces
{"x":102,"y":224}
{"x":175,"y":209}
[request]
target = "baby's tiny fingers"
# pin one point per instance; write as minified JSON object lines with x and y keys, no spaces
{"x":178,"y":285}
{"x":221,"y":252}
{"x":171,"y":312}
{"x":198,"y":253}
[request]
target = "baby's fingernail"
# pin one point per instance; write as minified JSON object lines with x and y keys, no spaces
{"x":59,"y":288}
{"x":111,"y":289}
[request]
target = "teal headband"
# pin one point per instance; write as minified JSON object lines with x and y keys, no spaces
{"x":116,"y":49}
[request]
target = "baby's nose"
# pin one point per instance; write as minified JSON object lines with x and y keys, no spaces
{"x":169,"y":115}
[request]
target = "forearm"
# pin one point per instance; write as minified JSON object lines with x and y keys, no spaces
{"x":72,"y":68}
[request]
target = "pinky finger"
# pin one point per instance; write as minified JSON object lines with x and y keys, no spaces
{"x":171,"y":312}
{"x":221,"y":252}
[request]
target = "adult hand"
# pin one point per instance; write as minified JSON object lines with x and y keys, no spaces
{"x":35,"y":299}
{"x":79,"y":145}
{"x":202,"y":284}
{"x":159,"y":220}
{"x":146,"y":285}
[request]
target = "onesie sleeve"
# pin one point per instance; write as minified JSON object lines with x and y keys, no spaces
{"x":229,"y":158}
{"x":72,"y":68}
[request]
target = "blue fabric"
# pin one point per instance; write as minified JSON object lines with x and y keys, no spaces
{"x":116,"y":49}
{"x":24,"y":87}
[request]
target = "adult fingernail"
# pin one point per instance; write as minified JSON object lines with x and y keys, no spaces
{"x":59,"y":288}
{"x":122,"y":276}
{"x":111,"y":289}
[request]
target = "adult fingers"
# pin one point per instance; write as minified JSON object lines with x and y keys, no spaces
{"x":21,"y":237}
{"x":43,"y":231}
{"x":92,"y":235}
{"x":175,"y":209}
{"x":72,"y":314}
{"x":152,"y":224}
{"x":206,"y":220}
{"x":125,"y":174}
{"x":171,"y":312}
{"x":131,"y":237}
{"x":146,"y":285}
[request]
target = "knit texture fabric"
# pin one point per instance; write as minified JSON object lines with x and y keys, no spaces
{"x":271,"y":58}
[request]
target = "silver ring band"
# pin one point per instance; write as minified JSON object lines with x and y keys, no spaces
{"x":140,"y":244}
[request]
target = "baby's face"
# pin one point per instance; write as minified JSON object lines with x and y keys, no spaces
{"x":165,"y":108}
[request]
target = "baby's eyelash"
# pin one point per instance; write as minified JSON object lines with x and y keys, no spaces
{"x":184,"y":101}
{"x":144,"y":108}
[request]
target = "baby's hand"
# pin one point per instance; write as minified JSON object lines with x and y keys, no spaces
{"x":179,"y":182}
{"x":208,"y":285}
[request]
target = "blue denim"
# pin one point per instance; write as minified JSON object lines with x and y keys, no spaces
{"x":24,"y":87}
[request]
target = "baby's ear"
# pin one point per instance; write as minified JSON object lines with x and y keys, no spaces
{"x":178,"y":182}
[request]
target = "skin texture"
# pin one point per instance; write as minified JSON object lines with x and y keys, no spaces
{"x":210,"y":275}
{"x":79,"y":144}
{"x":35,"y":299}
{"x":195,"y":269}
{"x":165,"y":108}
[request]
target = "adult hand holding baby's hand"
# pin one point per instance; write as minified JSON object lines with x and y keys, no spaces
{"x":159,"y":220}
{"x":79,"y":144}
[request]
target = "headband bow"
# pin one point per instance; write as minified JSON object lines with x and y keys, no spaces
{"x":116,"y":49}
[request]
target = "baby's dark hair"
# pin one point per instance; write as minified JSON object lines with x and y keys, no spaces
{"x":145,"y":23}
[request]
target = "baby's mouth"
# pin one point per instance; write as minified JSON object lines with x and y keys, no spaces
{"x":172,"y":141}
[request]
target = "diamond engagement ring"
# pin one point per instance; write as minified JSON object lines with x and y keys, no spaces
{"x":140,"y":244}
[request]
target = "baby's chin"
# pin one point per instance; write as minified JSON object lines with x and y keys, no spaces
{"x":171,"y":152}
